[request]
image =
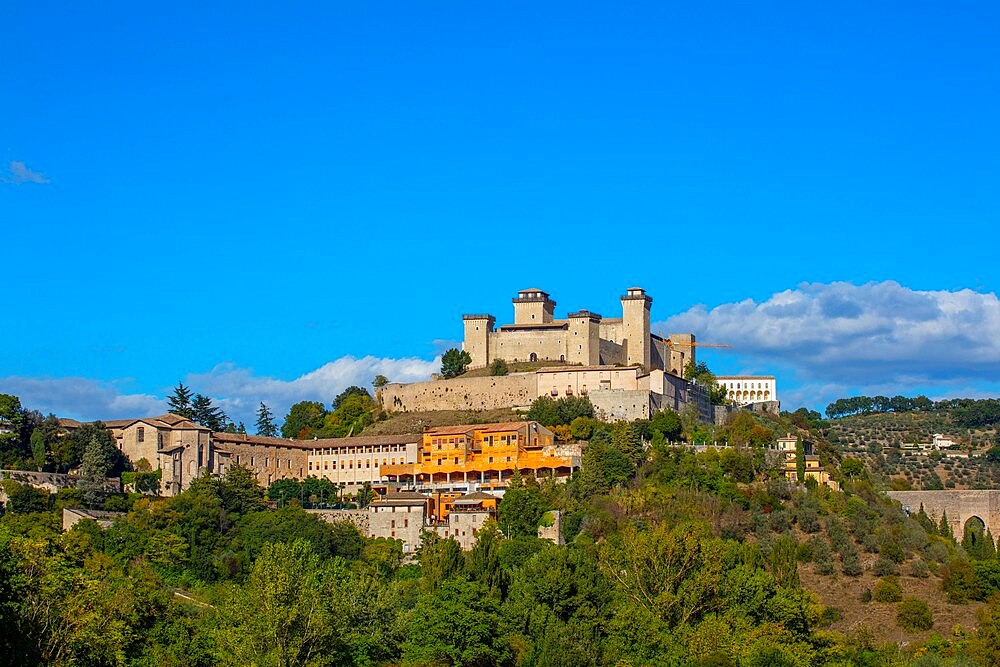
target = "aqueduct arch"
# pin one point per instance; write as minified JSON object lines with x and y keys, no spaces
{"x":960,"y":506}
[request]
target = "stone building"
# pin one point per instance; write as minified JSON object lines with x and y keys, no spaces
{"x":583,"y":337}
{"x":351,"y":462}
{"x":399,"y":516}
{"x":269,"y":459}
{"x":466,"y":516}
{"x":177,"y":446}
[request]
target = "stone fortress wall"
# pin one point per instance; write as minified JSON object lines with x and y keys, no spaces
{"x":474,"y":393}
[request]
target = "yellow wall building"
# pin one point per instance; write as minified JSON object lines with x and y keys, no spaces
{"x":459,"y":459}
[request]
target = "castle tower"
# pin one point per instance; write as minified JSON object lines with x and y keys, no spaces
{"x":533,"y":306}
{"x":682,"y":352}
{"x":583,"y":344}
{"x":635,"y":327}
{"x":477,"y":338}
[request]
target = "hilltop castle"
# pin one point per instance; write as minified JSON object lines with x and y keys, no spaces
{"x":583,"y":338}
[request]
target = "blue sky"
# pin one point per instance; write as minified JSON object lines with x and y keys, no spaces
{"x":271,"y":201}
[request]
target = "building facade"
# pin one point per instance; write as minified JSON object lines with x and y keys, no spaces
{"x":351,"y":462}
{"x":460,"y":459}
{"x":583,"y":337}
{"x":176,"y":446}
{"x":747,"y":389}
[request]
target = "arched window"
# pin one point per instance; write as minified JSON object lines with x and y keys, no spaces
{"x":533,"y":357}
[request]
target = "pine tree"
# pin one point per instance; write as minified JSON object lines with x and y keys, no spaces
{"x":208,"y":415}
{"x":180,"y":401}
{"x":265,"y":422}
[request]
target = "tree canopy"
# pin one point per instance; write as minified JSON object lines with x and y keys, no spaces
{"x":454,"y":362}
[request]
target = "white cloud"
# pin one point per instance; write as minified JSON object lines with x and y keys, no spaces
{"x":837,"y":336}
{"x":238,"y":390}
{"x":19,"y":172}
{"x":80,"y":398}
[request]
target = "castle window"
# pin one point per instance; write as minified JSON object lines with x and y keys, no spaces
{"x":140,"y":434}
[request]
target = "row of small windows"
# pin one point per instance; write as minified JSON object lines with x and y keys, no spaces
{"x":749,"y":385}
{"x":350,"y":464}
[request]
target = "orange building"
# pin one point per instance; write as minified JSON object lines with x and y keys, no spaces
{"x":460,"y":459}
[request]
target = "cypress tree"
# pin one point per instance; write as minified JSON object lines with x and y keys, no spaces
{"x":944,"y":528}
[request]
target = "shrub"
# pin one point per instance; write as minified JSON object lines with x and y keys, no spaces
{"x":850,"y":564}
{"x":914,"y":615}
{"x":887,"y":589}
{"x":919,"y":569}
{"x":885,"y":567}
{"x":866,"y":596}
{"x":959,"y":581}
{"x":499,"y":368}
{"x":890,"y":549}
{"x":780,"y":521}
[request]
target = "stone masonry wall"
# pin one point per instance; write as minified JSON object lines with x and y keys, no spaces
{"x":480,"y":393}
{"x":360,"y":518}
{"x":960,"y":506}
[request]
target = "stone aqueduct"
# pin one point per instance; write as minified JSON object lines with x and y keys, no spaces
{"x":960,"y":506}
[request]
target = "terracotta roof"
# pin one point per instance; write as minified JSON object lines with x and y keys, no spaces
{"x":403,"y":498}
{"x":119,"y":423}
{"x":504,"y":426}
{"x":449,"y":430}
{"x":486,"y":428}
{"x":171,"y":418}
{"x":319,"y":443}
{"x":473,"y":498}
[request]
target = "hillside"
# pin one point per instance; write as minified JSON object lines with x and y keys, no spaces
{"x":877,"y":440}
{"x":401,"y":423}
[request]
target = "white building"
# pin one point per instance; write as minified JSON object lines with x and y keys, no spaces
{"x":747,"y":389}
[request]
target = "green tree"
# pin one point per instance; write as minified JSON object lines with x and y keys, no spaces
{"x":454,"y":362}
{"x":366,"y":495}
{"x":458,"y":624}
{"x":14,"y":449}
{"x":439,"y":558}
{"x":239,"y":490}
{"x":303,"y":420}
{"x":97,"y":463}
{"x":483,"y":561}
{"x":701,"y":374}
{"x":204,"y":412}
{"x":353,"y":411}
{"x":380,"y":381}
{"x":279,"y":617}
{"x":265,"y":422}
{"x":179,"y":403}
{"x":667,"y":423}
{"x":521,"y":508}
{"x":38,"y":448}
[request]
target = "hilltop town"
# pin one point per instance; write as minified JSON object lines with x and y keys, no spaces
{"x":585,"y":453}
